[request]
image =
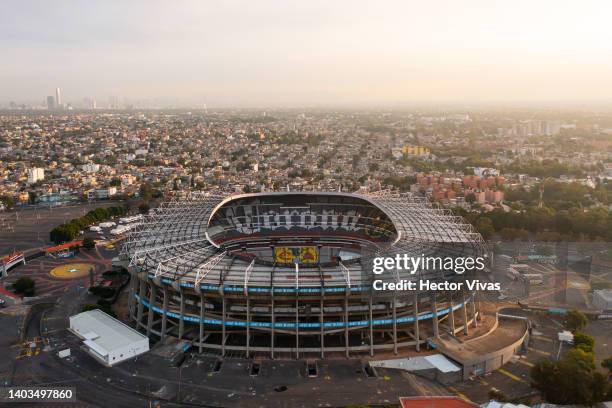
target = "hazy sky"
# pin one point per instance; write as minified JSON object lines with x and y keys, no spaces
{"x":262,"y":52}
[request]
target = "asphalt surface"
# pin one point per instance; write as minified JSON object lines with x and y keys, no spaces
{"x":46,"y":285}
{"x":513,"y":379}
{"x":151,"y":378}
{"x":28,"y":228}
{"x":35,"y":364}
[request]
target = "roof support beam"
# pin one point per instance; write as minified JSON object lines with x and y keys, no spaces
{"x":207,"y":266}
{"x":247,"y":276}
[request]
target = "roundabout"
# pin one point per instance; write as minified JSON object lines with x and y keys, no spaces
{"x":72,"y":270}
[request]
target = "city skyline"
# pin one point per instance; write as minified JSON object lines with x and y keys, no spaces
{"x":314,"y":53}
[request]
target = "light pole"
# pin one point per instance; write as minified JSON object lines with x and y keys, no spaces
{"x":179,"y":384}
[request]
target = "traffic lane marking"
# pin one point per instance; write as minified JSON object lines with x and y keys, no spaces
{"x":512,"y":376}
{"x":459,"y":393}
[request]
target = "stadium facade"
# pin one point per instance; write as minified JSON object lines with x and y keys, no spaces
{"x":289,"y":274}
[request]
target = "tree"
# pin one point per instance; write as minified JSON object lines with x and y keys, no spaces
{"x":401,"y":182}
{"x":607,"y":364}
{"x":24,"y":286}
{"x":602,"y":390}
{"x":102,"y":291}
{"x":512,"y":234}
{"x":32,"y":197}
{"x":9,"y":202}
{"x":69,"y":231}
{"x":575,"y":320}
{"x":89,"y":243}
{"x":104,"y":308}
{"x":543,"y":377}
{"x":146,"y":191}
{"x":143,"y":208}
{"x":572,"y":380}
{"x":484,"y":225}
{"x":584,"y":342}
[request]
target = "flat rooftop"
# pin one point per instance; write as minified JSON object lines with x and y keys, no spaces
{"x":507,"y":332}
{"x":105,"y":331}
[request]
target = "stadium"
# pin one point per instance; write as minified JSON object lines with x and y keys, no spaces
{"x":289,"y":274}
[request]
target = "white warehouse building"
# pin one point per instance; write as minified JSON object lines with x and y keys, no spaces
{"x":107,"y":339}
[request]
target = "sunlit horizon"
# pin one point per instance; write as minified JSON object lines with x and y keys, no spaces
{"x":315,"y":53}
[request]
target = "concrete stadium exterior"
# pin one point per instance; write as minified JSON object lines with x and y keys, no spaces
{"x":288,"y":274}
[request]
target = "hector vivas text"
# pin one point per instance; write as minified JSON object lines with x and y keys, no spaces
{"x":412,"y":265}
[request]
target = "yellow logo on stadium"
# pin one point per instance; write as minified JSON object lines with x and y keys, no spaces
{"x":283,"y":255}
{"x":309,"y":255}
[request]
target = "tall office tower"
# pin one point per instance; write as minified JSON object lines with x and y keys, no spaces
{"x":50,"y":102}
{"x":58,"y":97}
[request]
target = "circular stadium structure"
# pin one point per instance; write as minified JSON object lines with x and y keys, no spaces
{"x":289,"y":274}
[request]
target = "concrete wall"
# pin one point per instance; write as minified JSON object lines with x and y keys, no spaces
{"x":494,"y":360}
{"x":436,"y":375}
{"x":131,"y":350}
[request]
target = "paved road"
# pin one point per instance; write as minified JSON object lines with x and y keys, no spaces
{"x":40,"y":366}
{"x":339,"y":383}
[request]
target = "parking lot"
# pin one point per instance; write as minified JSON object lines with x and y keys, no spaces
{"x":29,"y":228}
{"x":513,"y":379}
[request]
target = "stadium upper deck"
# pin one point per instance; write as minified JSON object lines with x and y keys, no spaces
{"x":200,"y":239}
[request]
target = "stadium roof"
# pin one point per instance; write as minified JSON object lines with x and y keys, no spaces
{"x":174,"y":242}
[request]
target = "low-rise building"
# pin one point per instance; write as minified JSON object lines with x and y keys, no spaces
{"x":35,"y":174}
{"x":107,"y":339}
